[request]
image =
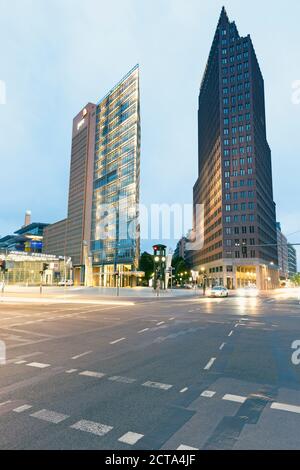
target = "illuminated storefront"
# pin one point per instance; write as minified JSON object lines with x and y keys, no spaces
{"x":25,"y":268}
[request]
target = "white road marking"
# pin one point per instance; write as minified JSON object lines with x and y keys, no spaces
{"x":90,"y":373}
{"x":208,"y":394}
{"x":231,"y":333}
{"x":236,"y":325}
{"x":210,"y":363}
{"x":20,"y":362}
{"x":222,"y":346}
{"x":117,"y":341}
{"x":235,"y":398}
{"x":81,"y":355}
{"x":71,"y":371}
{"x":22,"y":408}
{"x":51,"y":416}
{"x":157,"y":385}
{"x":172,"y":318}
{"x":160,"y":323}
{"x":184,"y":390}
{"x":184,"y":447}
{"x":5,"y":402}
{"x":39,"y":365}
{"x":92,"y":427}
{"x":143,"y":331}
{"x":131,"y":438}
{"x":285,"y":407}
{"x":125,"y":380}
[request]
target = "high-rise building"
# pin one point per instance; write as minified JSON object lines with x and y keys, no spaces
{"x":282,"y":248}
{"x":234,"y":167}
{"x":117,"y":183}
{"x":292,"y":261}
{"x":101,"y":231}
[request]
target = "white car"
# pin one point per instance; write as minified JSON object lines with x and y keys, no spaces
{"x":218,"y":291}
{"x":68,"y":282}
{"x":248,"y":291}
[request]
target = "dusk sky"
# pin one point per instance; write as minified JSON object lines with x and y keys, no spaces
{"x":58,"y":55}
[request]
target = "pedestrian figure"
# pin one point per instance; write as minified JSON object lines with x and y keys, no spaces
{"x":157,"y":287}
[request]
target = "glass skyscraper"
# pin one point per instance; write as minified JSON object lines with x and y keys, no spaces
{"x":115,"y":228}
{"x":101,"y":231}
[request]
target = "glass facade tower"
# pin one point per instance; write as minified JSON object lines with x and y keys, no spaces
{"x":101,"y":231}
{"x":115,"y":227}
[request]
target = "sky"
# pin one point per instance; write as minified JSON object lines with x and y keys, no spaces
{"x":58,"y":55}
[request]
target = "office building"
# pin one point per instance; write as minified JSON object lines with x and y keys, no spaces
{"x":28,"y":238}
{"x":292,"y":261}
{"x":282,"y":247}
{"x":101,"y":231}
{"x":234,"y":167}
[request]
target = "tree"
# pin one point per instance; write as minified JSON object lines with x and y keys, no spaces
{"x":296,"y":279}
{"x":146,"y":265}
{"x":182,"y":271}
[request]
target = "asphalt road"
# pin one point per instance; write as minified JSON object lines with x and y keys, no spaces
{"x":159,"y":374}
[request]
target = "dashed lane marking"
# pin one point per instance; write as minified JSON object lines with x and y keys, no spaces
{"x":208,"y":394}
{"x":285,"y":407}
{"x":130,"y":438}
{"x":184,"y":390}
{"x":82,"y":354}
{"x":71,"y":371}
{"x":234,"y":398}
{"x":90,"y":373}
{"x":210,"y":363}
{"x":22,"y":408}
{"x":39,"y":365}
{"x":159,"y":385}
{"x":231,"y":333}
{"x":125,"y":380}
{"x":222,"y":346}
{"x":184,"y":447}
{"x":117,"y":341}
{"x":143,"y":331}
{"x":51,"y":416}
{"x":160,"y":323}
{"x":92,"y":427}
{"x":5,"y":402}
{"x":20,"y":362}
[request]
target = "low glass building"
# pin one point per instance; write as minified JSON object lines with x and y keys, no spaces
{"x":25,"y":268}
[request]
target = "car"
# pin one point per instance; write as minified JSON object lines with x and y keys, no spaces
{"x":67,"y":282}
{"x":248,"y":291}
{"x":218,"y":291}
